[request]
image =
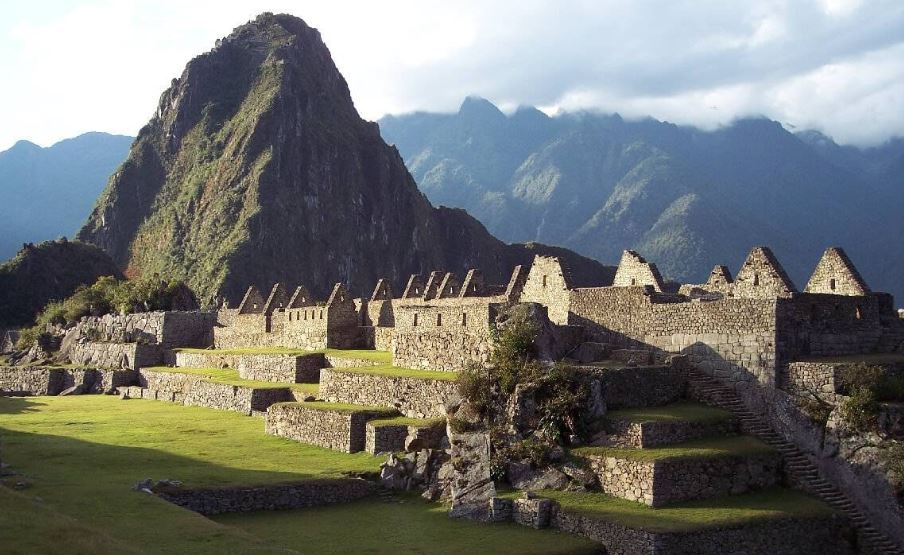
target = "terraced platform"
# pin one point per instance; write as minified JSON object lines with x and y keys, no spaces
{"x":415,"y":393}
{"x":278,"y":364}
{"x":696,"y":469}
{"x":674,"y":423}
{"x":220,"y":388}
{"x":387,"y":435}
{"x":332,"y":425}
{"x":774,"y":521}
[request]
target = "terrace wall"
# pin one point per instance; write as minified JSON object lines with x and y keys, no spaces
{"x":414,"y":397}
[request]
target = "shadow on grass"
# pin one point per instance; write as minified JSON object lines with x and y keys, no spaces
{"x":93,"y":482}
{"x":17,"y":405}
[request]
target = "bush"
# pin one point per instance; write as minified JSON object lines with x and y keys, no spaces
{"x":105,"y":296}
{"x":860,"y":409}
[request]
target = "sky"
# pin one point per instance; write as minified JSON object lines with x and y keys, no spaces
{"x":832,"y":65}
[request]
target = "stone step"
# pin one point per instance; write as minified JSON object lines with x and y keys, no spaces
{"x":668,"y":424}
{"x":213,"y":388}
{"x":415,"y":393}
{"x":698,"y":469}
{"x":332,"y":425}
{"x":389,"y":435}
{"x":729,"y":400}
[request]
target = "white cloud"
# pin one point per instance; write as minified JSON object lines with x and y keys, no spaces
{"x":832,"y":64}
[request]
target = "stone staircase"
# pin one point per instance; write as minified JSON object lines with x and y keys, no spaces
{"x":798,"y":466}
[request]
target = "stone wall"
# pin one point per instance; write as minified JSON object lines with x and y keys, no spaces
{"x":634,"y":271}
{"x":385,"y":438}
{"x":207,"y":359}
{"x":334,"y":429}
{"x":641,"y":435}
{"x":827,"y":325}
{"x":661,"y":385}
{"x":836,"y":275}
{"x":378,"y":338}
{"x":414,"y":397}
{"x":195,"y":390}
{"x":115,"y":355}
{"x":730,"y":338}
{"x":816,"y":536}
{"x":548,"y":284}
{"x":275,"y":497}
{"x":42,"y":380}
{"x":167,"y":329}
{"x":664,"y":481}
{"x":281,"y":368}
{"x":441,"y":349}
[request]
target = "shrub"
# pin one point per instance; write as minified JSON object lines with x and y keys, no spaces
{"x":860,"y":409}
{"x":105,"y":296}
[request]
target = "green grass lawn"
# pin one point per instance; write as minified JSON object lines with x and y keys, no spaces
{"x":406,"y":526}
{"x":694,"y":515}
{"x":230,"y":376}
{"x":82,"y":454}
{"x":675,"y":412}
{"x":707,"y":447}
{"x":405,"y":421}
{"x":395,"y":371}
{"x":360,"y":354}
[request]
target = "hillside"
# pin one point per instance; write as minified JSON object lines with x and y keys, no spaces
{"x":257,"y":168}
{"x":49,"y":192}
{"x":685,"y":198}
{"x":49,"y":271}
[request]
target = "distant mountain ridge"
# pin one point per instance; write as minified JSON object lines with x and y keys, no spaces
{"x":685,"y":198}
{"x":48,"y":192}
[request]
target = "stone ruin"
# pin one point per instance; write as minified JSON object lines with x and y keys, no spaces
{"x":746,"y":331}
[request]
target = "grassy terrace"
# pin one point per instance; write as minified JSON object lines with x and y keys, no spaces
{"x":709,"y":447}
{"x":767,"y":504}
{"x":344,"y":407}
{"x":405,"y":421}
{"x":397,"y":372}
{"x":359,"y":354}
{"x":675,"y":412}
{"x":229,"y":376}
{"x":82,"y":454}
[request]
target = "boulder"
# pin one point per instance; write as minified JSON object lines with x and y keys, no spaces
{"x":472,"y":484}
{"x":544,"y":478}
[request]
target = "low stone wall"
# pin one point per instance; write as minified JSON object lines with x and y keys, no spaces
{"x":333,"y":361}
{"x":639,"y":386}
{"x":440,"y":349}
{"x":195,"y":390}
{"x":281,"y":368}
{"x":660,"y":482}
{"x":42,"y":380}
{"x":114,"y":355}
{"x":333,"y":429}
{"x":384,"y":439}
{"x":312,"y":493}
{"x":414,"y":397}
{"x":625,"y":433}
{"x":816,"y":536}
{"x":390,"y":438}
{"x":30,"y":381}
{"x":618,"y":539}
{"x":210,"y":359}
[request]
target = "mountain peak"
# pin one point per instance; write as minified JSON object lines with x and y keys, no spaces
{"x":477,"y":107}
